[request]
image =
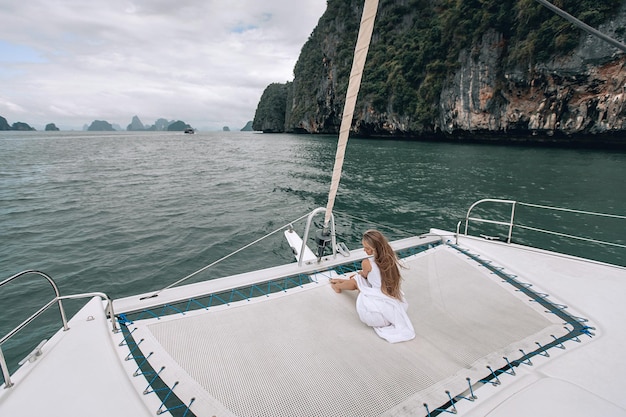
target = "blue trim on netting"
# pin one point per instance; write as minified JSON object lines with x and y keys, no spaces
{"x":146,"y":374}
{"x":125,"y":341}
{"x":414,"y":250}
{"x":577,"y":323}
{"x":131,"y":354}
{"x":167,"y":396}
{"x":554,"y":308}
{"x":282,"y":284}
{"x":230,"y":296}
{"x":193,"y":300}
{"x":445,"y":408}
{"x":145,"y":360}
{"x":152,"y":381}
{"x":148,"y":311}
{"x":122,"y":319}
{"x":170,"y":402}
{"x":347,"y":268}
{"x":178,"y":407}
{"x":212,"y":296}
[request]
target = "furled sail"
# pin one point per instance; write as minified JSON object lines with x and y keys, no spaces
{"x":360,"y":54}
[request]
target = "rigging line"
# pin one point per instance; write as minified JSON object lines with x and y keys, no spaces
{"x":590,"y":213}
{"x":582,"y":25}
{"x":586,"y":239}
{"x":360,"y":54}
{"x":228,"y":256}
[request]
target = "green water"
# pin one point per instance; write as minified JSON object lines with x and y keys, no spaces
{"x":125,"y":212}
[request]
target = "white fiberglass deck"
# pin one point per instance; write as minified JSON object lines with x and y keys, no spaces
{"x":307,"y":353}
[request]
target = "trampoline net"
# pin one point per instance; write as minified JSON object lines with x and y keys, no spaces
{"x":307,"y":354}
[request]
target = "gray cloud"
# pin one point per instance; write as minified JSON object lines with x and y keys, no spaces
{"x":73,"y":61}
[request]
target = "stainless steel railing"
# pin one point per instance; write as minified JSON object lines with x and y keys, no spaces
{"x":56,"y":300}
{"x":511,"y":223}
{"x":305,"y":236}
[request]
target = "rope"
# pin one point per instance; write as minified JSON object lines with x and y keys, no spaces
{"x":585,"y":239}
{"x":582,"y":25}
{"x":591,"y":213}
{"x":227,"y":256}
{"x":360,"y":54}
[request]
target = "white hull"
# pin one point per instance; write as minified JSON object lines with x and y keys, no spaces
{"x":320,"y":360}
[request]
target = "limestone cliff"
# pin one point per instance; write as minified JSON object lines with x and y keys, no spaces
{"x":578,"y":95}
{"x":448,"y":69}
{"x":135,"y":124}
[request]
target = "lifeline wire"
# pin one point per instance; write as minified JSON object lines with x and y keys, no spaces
{"x":228,"y":256}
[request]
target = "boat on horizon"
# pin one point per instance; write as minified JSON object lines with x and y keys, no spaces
{"x":189,"y":130}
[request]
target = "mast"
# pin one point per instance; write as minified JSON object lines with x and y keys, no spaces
{"x":360,"y":54}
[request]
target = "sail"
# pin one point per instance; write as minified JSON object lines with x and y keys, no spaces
{"x":360,"y":54}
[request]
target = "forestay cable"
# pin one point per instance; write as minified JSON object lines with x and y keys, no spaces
{"x":582,"y":25}
{"x":360,"y":54}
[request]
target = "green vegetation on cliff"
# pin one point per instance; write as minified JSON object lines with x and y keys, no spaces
{"x":178,"y":126}
{"x":270,"y":113}
{"x":415,"y":48}
{"x":4,"y":125}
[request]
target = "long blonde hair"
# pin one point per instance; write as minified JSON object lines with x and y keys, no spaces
{"x":387,"y":262}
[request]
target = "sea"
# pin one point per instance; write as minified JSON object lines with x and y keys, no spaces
{"x":131,"y":212}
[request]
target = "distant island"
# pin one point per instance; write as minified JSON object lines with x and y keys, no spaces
{"x":100,"y":126}
{"x":178,"y":126}
{"x":159,"y":125}
{"x":105,"y":126}
{"x":4,"y":125}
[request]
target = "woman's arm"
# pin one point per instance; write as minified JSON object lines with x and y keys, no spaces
{"x":366,"y":267}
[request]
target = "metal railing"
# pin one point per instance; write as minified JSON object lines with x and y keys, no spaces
{"x":56,"y":300}
{"x":307,"y":230}
{"x":511,"y":223}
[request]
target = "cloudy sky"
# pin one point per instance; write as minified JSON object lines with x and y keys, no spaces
{"x":205,"y":62}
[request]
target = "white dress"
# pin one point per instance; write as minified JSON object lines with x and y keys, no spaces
{"x":385,"y":314}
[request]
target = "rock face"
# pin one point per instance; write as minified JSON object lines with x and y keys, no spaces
{"x":160,"y":124}
{"x":178,"y":126}
{"x":135,"y":125}
{"x":100,"y":126}
{"x":4,"y":125}
{"x":270,"y":113}
{"x":22,"y":126}
{"x":584,"y":99}
{"x":51,"y":127}
{"x":484,"y":73}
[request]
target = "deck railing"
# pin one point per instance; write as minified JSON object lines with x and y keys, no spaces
{"x":511,"y":223}
{"x":56,"y":300}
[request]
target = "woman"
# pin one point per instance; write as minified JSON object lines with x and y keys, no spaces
{"x":380,"y":303}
